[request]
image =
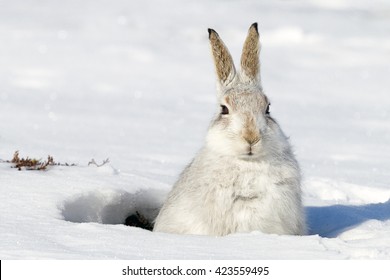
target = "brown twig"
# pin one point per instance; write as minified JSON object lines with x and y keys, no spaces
{"x":33,"y":164}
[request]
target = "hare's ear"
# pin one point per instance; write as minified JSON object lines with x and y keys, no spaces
{"x":250,"y":64}
{"x":223,"y":61}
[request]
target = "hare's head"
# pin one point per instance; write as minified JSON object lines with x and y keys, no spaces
{"x":243,"y":126}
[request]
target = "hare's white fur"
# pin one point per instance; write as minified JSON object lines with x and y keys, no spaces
{"x":246,"y":177}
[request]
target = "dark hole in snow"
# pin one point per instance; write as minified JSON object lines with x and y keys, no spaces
{"x":114,"y":207}
{"x":138,"y":220}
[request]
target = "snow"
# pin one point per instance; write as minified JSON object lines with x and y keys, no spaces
{"x":134,"y":82}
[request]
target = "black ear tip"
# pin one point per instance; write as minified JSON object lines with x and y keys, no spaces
{"x":211,"y":31}
{"x":255,"y":26}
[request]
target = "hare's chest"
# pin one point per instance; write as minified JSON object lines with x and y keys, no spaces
{"x":244,"y":189}
{"x":240,"y":206}
{"x":249,"y":186}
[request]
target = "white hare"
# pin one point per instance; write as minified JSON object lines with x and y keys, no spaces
{"x":245,"y":178}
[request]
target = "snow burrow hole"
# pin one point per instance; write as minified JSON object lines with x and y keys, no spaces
{"x":114,"y":207}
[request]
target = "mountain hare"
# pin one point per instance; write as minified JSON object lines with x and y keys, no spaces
{"x":245,"y":178}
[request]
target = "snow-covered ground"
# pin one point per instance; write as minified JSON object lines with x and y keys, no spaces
{"x":133,"y":81}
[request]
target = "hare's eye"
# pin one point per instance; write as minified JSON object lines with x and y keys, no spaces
{"x":267,"y":112}
{"x":224,"y":110}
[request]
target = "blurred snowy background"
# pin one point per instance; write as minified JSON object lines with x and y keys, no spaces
{"x":133,"y":81}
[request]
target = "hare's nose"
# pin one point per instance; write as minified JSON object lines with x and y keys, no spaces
{"x":251,"y":137}
{"x":250,"y":132}
{"x":252,"y":141}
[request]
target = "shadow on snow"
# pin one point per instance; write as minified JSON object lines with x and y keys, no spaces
{"x":330,"y":221}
